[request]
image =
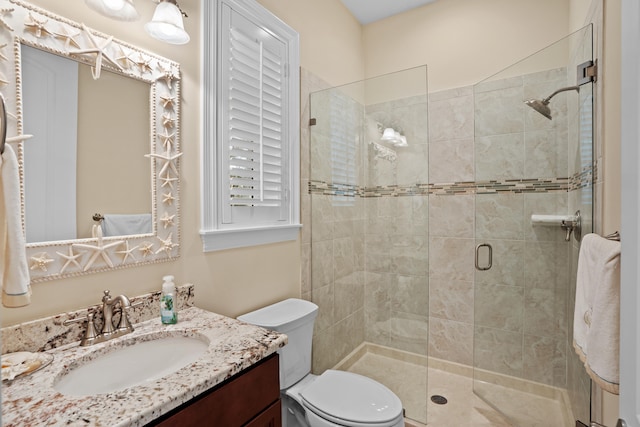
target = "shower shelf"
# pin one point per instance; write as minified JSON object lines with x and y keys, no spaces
{"x":569,"y":223}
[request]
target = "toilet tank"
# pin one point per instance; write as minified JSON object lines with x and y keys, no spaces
{"x":295,"y":318}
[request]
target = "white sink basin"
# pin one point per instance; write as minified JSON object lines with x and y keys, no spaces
{"x":133,"y":365}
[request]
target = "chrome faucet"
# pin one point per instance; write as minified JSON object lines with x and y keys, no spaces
{"x":109,"y":330}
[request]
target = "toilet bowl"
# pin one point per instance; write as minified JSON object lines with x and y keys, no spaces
{"x":332,"y":399}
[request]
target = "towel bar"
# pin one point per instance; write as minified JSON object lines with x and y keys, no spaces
{"x":3,"y":125}
{"x":613,"y":236}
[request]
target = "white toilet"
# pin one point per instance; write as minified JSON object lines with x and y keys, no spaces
{"x":333,"y":399}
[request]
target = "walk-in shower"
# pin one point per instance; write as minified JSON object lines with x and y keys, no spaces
{"x":389,"y":254}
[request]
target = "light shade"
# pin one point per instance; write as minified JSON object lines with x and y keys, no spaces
{"x":402,"y":142}
{"x":122,"y":10}
{"x":389,"y":135}
{"x":166,"y":24}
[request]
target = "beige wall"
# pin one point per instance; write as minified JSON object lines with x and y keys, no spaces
{"x":610,"y":74}
{"x":330,"y":37}
{"x":462,"y":41}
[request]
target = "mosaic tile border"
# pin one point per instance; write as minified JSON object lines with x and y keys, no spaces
{"x":580,"y":180}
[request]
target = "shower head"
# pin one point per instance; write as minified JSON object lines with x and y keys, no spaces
{"x":542,"y":106}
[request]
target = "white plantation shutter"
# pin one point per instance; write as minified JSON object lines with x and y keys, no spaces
{"x":254,"y":142}
{"x":251,"y":123}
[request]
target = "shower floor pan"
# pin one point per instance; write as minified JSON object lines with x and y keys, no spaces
{"x":406,"y":375}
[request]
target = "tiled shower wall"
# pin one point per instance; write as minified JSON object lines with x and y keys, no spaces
{"x":399,"y":271}
{"x":521,"y":303}
{"x":397,"y":226}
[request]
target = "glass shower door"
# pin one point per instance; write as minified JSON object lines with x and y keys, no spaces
{"x":368,"y":195}
{"x":532,"y":161}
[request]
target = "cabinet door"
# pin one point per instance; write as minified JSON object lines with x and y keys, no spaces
{"x":240,"y":401}
{"x":272,"y":417}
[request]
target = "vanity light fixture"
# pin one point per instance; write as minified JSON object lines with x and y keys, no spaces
{"x":122,"y":10}
{"x":166,"y":24}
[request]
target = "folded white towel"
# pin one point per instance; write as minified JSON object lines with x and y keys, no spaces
{"x":14,"y":269}
{"x":596,"y":321}
{"x":126,"y":225}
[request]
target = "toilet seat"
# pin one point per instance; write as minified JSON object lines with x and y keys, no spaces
{"x":353,"y":400}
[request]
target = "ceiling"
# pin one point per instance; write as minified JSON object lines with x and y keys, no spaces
{"x":367,"y":11}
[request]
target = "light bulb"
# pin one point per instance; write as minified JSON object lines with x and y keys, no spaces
{"x":114,"y":5}
{"x":388,"y":135}
{"x":122,"y":10}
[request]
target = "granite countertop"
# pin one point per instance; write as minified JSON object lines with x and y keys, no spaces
{"x":233,"y":346}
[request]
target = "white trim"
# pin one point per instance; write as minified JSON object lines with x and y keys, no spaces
{"x":630,"y":229}
{"x":213,"y":236}
{"x":215,"y":240}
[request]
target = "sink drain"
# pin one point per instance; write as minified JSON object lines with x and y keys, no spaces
{"x":439,"y":400}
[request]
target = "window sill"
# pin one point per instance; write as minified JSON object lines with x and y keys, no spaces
{"x":217,"y":240}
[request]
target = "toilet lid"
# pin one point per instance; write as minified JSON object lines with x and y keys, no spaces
{"x":352,"y":398}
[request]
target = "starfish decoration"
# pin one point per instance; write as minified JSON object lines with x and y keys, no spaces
{"x":68,"y":38}
{"x":168,"y":161}
{"x":147,"y":249}
{"x":167,"y":181}
{"x":167,"y":198}
{"x":3,"y":80}
{"x":168,"y":76}
{"x":18,"y":138}
{"x":71,"y":259}
{"x":4,"y":58}
{"x":143,"y":64}
{"x":128,"y":252}
{"x":167,"y":101}
{"x":167,"y":245}
{"x":37,"y":28}
{"x":100,"y":51}
{"x":40,"y":261}
{"x":167,"y":139}
{"x":167,"y":220}
{"x":4,"y":11}
{"x":98,"y":250}
{"x":124,"y":59}
{"x":168,"y":121}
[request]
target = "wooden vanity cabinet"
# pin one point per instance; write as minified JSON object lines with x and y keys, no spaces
{"x":250,"y":399}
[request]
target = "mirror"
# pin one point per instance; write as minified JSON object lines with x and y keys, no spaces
{"x":94,"y":122}
{"x":81,"y":128}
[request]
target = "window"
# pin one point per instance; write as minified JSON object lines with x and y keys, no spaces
{"x":250,"y":170}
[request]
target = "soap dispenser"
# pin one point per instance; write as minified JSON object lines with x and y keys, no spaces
{"x":168,"y":314}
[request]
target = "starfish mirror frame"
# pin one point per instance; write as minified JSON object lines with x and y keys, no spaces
{"x":23,"y":23}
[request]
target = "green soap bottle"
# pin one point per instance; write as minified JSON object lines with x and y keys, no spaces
{"x":168,"y":313}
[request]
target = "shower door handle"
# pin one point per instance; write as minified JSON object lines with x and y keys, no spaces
{"x":490,"y":257}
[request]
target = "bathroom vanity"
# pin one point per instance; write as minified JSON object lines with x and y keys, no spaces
{"x":250,"y":398}
{"x":233,"y":382}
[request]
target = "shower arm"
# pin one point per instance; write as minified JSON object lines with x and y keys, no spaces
{"x":564,"y":89}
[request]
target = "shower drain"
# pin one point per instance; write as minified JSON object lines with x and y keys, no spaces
{"x":437,"y":399}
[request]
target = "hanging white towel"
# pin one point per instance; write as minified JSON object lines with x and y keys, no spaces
{"x":14,"y":270}
{"x":126,"y":224}
{"x":596,"y":321}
